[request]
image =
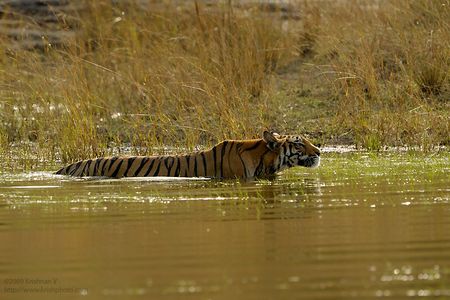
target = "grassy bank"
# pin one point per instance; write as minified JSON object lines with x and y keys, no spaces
{"x":354,"y":72}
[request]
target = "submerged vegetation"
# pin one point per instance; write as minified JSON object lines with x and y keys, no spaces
{"x":371,"y":73}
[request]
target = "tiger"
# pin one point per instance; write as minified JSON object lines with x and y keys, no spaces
{"x":255,"y":158}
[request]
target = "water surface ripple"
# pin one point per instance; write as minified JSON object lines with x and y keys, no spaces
{"x":360,"y":226}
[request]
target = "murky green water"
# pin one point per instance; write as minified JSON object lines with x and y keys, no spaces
{"x":360,"y":226}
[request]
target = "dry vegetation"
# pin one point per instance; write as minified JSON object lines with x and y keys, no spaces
{"x":392,"y":67}
{"x":373,"y":73}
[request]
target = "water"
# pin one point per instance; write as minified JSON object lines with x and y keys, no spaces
{"x":360,"y":226}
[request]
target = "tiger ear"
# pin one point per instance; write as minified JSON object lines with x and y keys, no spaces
{"x":271,"y":139}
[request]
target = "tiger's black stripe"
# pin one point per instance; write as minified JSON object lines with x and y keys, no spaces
{"x":222,"y":155}
{"x":238,"y":149}
{"x":177,"y":170}
{"x":168,"y":162}
{"x":204,"y":164}
{"x":101,"y":166}
{"x":90,"y":171}
{"x":86,"y":168}
{"x":75,"y":168}
{"x":97,"y":163}
{"x":228,"y":160}
{"x":116,"y":171}
{"x":151,"y":166}
{"x":102,"y":169}
{"x":187,"y":158}
{"x":171,"y":161}
{"x":143,"y":162}
{"x":260,"y":168}
{"x":107,"y":162}
{"x":129,"y":164}
{"x":157,"y":168}
{"x":111,"y":164}
{"x":78,"y":171}
{"x":195,"y":167}
{"x":215,"y":160}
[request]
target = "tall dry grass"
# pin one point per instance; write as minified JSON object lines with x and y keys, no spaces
{"x":390,"y":68}
{"x":177,"y":76}
{"x":171,"y":75}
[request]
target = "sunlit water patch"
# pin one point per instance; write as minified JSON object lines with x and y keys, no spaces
{"x":360,"y":226}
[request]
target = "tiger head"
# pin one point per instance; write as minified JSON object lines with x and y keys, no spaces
{"x":292,"y":150}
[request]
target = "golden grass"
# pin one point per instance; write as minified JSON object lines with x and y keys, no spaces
{"x":392,"y":63}
{"x":193,"y":75}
